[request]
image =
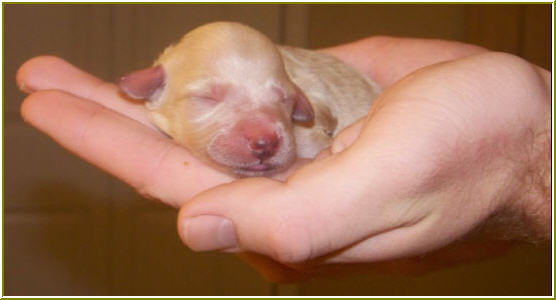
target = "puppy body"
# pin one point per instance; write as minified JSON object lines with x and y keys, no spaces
{"x":235,"y":99}
{"x":339,"y":95}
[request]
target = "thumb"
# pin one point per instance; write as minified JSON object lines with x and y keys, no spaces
{"x":250,"y":214}
{"x":322,"y":208}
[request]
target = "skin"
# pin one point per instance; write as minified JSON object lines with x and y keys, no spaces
{"x":451,"y":163}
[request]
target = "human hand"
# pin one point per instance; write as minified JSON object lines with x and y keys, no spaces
{"x":450,"y":149}
{"x":115,"y":135}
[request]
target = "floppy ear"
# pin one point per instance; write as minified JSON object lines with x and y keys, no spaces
{"x":302,"y":108}
{"x":143,"y":84}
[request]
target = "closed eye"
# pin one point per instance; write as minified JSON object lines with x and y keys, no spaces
{"x":207,"y":91}
{"x":205,"y":99}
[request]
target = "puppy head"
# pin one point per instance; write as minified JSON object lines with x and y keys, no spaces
{"x":224,"y":94}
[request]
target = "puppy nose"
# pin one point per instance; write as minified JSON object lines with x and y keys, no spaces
{"x":263,"y":146}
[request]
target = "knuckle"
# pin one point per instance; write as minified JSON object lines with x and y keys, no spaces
{"x":503,"y":57}
{"x":507,"y":66}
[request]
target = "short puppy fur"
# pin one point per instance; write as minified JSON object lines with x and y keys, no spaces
{"x":235,"y":99}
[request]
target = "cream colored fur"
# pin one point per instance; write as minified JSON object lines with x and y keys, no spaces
{"x":231,"y":53}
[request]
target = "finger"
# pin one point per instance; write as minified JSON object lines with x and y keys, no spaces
{"x":50,"y":72}
{"x":343,"y":139}
{"x":141,"y":157}
{"x":388,"y":59}
{"x":347,"y":136}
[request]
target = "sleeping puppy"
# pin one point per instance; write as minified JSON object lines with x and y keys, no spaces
{"x":246,"y":105}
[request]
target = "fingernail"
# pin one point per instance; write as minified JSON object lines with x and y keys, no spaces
{"x":26,"y":89}
{"x":205,"y":233}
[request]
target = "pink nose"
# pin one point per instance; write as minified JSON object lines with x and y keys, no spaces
{"x":263,"y":146}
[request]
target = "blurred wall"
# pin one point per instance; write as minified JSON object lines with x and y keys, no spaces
{"x":70,"y":229}
{"x":524,"y":30}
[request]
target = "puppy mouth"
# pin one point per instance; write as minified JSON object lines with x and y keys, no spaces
{"x":261,"y":169}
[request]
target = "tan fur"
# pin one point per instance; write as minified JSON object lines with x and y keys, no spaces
{"x":339,"y":95}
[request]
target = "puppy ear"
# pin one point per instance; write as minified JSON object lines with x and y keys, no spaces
{"x":302,"y":108}
{"x":143,"y":84}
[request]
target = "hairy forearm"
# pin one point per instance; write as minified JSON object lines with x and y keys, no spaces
{"x":527,"y":214}
{"x":534,"y":197}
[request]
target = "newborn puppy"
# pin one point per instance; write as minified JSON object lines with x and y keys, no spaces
{"x":237,"y":100}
